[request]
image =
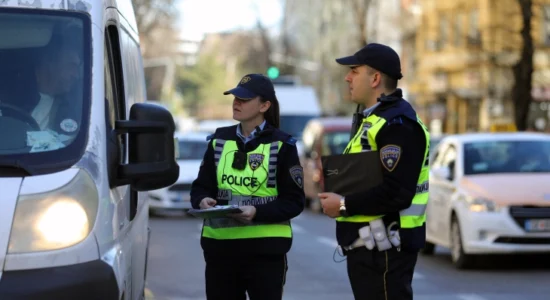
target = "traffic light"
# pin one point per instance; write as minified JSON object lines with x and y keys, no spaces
{"x":273,"y":72}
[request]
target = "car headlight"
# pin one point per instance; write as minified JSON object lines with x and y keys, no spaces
{"x":482,"y":205}
{"x":55,"y":219}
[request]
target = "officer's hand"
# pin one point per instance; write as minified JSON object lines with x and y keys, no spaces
{"x":248,"y":213}
{"x":207,"y":203}
{"x":330,"y":203}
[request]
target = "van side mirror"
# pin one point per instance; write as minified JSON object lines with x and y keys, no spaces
{"x":151,"y":148}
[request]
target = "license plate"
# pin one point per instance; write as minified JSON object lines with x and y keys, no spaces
{"x":537,"y":225}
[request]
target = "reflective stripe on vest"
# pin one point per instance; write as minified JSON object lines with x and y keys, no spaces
{"x":256,"y":184}
{"x":365,"y":140}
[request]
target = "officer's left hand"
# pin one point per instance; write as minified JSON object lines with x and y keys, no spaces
{"x":330,"y":203}
{"x":248,"y":213}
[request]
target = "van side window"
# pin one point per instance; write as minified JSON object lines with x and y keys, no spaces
{"x":135,"y":89}
{"x":114,"y":87}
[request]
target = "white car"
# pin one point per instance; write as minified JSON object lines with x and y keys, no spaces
{"x":489,"y":194}
{"x":192,"y":146}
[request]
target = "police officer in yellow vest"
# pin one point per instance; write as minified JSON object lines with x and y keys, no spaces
{"x":382,"y":230}
{"x":256,"y":166}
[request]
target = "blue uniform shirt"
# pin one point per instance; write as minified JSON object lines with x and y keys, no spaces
{"x":251,"y":136}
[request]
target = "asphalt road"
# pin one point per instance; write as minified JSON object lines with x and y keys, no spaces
{"x":176,"y":267}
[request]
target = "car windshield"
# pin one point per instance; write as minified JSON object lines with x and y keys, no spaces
{"x":506,"y":157}
{"x":294,"y":125}
{"x":192,"y":150}
{"x":335,"y":142}
{"x":44,"y":87}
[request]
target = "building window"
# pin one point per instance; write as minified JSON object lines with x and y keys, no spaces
{"x":443,"y":31}
{"x":474,"y":34}
{"x":458,"y":31}
{"x":546,"y":24}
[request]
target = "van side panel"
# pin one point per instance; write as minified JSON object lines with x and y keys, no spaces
{"x":135,"y":92}
{"x":112,"y":213}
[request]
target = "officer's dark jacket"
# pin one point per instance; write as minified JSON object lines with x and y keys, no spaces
{"x":289,"y":204}
{"x":398,"y":188}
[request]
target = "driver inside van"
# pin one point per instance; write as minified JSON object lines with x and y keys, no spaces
{"x":56,"y":74}
{"x":50,"y":105}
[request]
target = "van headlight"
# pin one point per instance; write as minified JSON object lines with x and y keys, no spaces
{"x":55,"y":219}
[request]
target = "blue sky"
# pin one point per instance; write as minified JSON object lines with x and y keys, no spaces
{"x":202,"y":16}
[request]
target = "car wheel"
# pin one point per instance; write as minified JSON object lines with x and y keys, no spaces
{"x":460,"y":259}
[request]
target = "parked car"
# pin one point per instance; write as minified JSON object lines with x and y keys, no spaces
{"x":321,"y":136}
{"x":489,"y":195}
{"x":192,"y":146}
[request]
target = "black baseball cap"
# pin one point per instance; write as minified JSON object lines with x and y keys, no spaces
{"x":376,"y":56}
{"x":253,"y":85}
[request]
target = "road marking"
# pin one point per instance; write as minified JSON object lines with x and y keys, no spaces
{"x":298,"y":228}
{"x":327,"y":241}
{"x":470,"y":297}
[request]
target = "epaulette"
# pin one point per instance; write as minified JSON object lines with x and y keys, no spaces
{"x":396,"y":120}
{"x":209,"y":137}
{"x":291,"y":140}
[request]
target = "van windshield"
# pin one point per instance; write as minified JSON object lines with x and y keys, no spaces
{"x":44,"y":88}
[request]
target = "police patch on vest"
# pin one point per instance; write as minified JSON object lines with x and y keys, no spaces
{"x":389,"y":155}
{"x":255,"y":160}
{"x":297,"y":174}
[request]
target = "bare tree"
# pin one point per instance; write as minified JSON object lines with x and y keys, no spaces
{"x":361,"y":9}
{"x":151,"y":14}
{"x":156,"y":20}
{"x":523,"y":69}
{"x":288,"y":48}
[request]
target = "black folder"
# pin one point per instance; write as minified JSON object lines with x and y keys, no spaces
{"x":346,"y":174}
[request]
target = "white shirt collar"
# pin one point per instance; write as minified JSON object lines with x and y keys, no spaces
{"x":251,"y":136}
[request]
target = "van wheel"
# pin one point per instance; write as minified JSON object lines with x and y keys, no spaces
{"x":428,"y":249}
{"x":460,"y":259}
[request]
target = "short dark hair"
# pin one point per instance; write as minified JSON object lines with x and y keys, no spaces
{"x":390,"y":84}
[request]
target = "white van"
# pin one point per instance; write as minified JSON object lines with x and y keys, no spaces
{"x":77,"y":148}
{"x":297,"y":106}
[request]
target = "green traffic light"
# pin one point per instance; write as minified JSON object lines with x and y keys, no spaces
{"x":273,"y":72}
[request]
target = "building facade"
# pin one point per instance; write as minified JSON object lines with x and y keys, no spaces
{"x":462,"y":53}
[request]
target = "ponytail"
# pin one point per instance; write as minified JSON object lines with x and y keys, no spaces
{"x":272,"y":114}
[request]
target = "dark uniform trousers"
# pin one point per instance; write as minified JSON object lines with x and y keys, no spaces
{"x":385,"y":275}
{"x":231,"y":277}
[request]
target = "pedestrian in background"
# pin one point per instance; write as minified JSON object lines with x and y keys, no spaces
{"x":381,"y":265}
{"x":256,"y":166}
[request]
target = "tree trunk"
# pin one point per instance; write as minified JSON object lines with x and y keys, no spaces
{"x":361,"y":8}
{"x":523,"y":70}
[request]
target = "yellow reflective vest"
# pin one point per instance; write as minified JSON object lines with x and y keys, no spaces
{"x":365,"y":140}
{"x":255,"y":184}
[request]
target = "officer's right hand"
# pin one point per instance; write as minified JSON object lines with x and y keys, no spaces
{"x":207,"y":203}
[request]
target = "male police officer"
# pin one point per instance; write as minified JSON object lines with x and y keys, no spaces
{"x":381,"y":262}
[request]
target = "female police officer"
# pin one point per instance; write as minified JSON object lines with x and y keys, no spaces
{"x":256,"y":166}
